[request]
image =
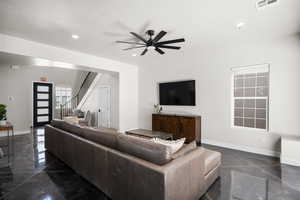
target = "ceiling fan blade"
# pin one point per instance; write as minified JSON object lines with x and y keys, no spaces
{"x":159,"y":50}
{"x":144,"y":52}
{"x":139,"y":37}
{"x":129,"y":42}
{"x":159,"y":36}
{"x":169,"y":47}
{"x":171,"y":41}
{"x":134,"y":47}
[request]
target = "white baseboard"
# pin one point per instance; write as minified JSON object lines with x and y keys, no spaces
{"x":242,"y":148}
{"x":289,"y":161}
{"x":4,"y":133}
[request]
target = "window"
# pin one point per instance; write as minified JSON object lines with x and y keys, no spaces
{"x":62,"y":95}
{"x":251,"y":97}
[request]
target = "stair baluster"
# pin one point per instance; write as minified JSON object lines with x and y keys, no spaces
{"x":67,"y":109}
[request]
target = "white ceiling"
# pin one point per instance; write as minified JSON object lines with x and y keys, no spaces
{"x":203,"y":23}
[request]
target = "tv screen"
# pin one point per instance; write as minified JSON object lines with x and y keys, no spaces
{"x":180,"y":93}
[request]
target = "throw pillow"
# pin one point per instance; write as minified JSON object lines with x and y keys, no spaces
{"x":185,"y":150}
{"x":174,"y":145}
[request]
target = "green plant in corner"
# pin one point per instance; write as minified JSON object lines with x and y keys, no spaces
{"x":2,"y":114}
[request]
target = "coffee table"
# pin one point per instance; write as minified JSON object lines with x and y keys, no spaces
{"x":150,"y":134}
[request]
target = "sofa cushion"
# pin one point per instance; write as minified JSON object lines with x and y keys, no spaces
{"x":72,"y":128}
{"x":211,"y":160}
{"x":108,"y":139}
{"x":185,"y":149}
{"x":144,"y":149}
{"x":57,"y":123}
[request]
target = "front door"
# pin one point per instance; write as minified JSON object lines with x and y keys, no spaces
{"x":42,"y":103}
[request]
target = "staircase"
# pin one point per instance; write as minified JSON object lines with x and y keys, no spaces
{"x":68,"y":108}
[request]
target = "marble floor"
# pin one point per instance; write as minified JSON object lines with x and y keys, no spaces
{"x":34,"y":174}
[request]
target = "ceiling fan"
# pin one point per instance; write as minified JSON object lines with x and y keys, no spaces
{"x":152,"y":43}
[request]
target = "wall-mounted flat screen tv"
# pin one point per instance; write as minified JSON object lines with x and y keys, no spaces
{"x":180,"y":93}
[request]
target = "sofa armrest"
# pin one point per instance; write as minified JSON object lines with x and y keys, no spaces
{"x":184,"y":176}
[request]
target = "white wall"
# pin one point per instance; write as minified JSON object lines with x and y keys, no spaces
{"x":128,"y":74}
{"x":92,"y":101}
{"x":211,"y":70}
{"x":18,"y":85}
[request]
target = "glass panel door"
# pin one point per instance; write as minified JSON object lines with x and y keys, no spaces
{"x":42,"y":103}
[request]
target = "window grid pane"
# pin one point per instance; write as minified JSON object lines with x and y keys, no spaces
{"x":251,"y":94}
{"x":63,"y":95}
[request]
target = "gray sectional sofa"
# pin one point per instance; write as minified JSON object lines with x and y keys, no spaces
{"x":131,"y":168}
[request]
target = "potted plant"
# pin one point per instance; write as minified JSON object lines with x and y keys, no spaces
{"x":2,"y":114}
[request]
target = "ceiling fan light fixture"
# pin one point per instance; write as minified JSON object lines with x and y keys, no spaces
{"x":151,"y":47}
{"x":152,"y":43}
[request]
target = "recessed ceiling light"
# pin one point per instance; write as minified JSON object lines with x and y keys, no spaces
{"x":134,"y":55}
{"x":240,"y":25}
{"x":75,"y":36}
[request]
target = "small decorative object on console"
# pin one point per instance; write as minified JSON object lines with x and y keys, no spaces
{"x":157,"y":108}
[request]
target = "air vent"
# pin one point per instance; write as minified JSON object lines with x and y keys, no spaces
{"x":264,"y":3}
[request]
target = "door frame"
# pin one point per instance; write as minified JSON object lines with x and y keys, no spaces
{"x":110,"y":104}
{"x":32,"y":100}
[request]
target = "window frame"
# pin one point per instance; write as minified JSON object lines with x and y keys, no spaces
{"x":233,"y":98}
{"x":64,"y":89}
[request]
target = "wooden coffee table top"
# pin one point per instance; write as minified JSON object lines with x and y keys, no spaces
{"x":150,"y":134}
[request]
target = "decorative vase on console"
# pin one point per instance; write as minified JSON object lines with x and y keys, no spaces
{"x":2,"y":115}
{"x":157,"y":108}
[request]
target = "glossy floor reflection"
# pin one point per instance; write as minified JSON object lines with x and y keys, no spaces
{"x":246,"y":176}
{"x":35,"y":174}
